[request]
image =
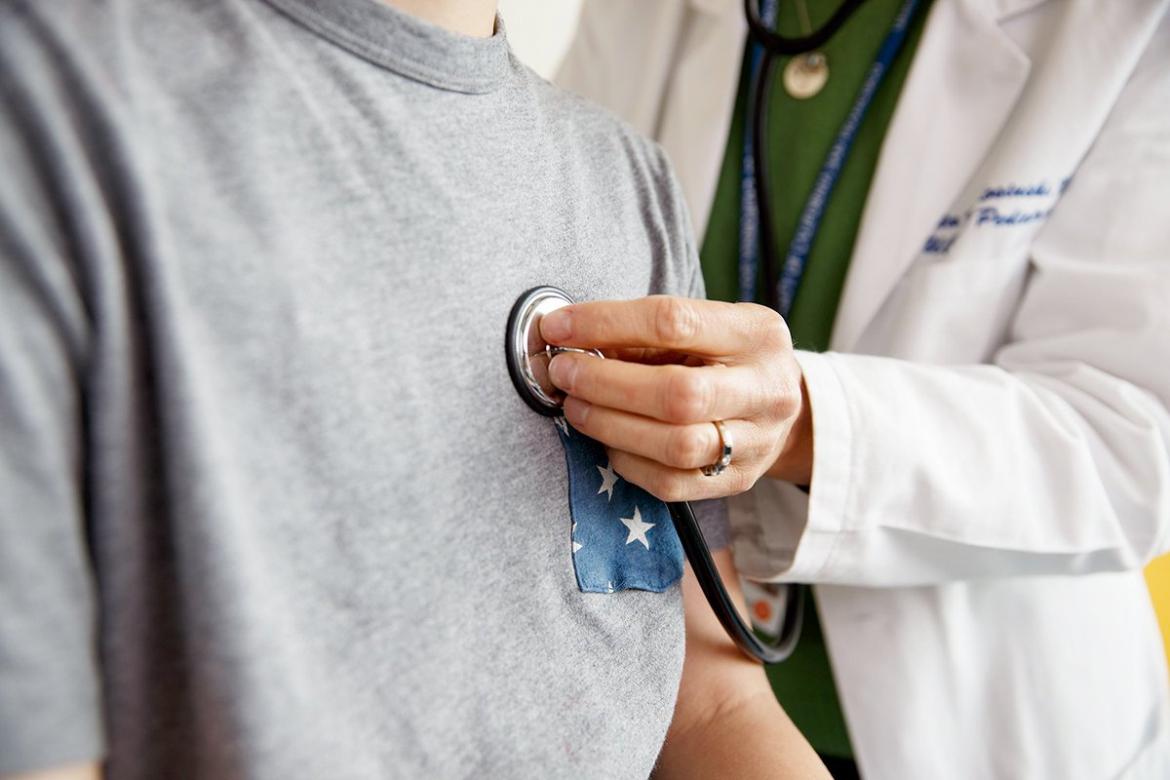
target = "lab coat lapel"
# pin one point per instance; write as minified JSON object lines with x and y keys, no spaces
{"x":699,"y":99}
{"x":966,"y":77}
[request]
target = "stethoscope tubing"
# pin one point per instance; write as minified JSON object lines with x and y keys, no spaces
{"x":773,"y":45}
{"x":763,"y":187}
{"x":703,"y":566}
{"x":776,"y":44}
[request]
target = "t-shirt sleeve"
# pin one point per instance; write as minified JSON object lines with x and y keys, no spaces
{"x":50,"y":712}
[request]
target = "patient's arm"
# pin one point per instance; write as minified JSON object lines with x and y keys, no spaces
{"x":75,"y":772}
{"x":727,"y":722}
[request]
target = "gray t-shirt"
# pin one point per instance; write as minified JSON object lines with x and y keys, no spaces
{"x":269,"y":504}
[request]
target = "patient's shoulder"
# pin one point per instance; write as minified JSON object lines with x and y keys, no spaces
{"x":613,"y":154}
{"x":580,"y":119}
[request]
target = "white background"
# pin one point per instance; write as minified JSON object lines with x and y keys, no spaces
{"x":540,"y":30}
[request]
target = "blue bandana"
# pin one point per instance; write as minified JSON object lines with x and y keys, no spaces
{"x":622,"y":536}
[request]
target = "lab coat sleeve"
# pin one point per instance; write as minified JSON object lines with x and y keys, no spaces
{"x":1053,"y":458}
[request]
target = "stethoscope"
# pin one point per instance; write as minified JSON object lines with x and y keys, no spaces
{"x":528,"y":356}
{"x":774,"y":45}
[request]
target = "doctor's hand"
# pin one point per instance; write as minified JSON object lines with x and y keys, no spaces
{"x":672,"y":367}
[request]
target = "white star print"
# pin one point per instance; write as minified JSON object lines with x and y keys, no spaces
{"x":576,"y":547}
{"x":637,"y":528}
{"x":608,"y":480}
{"x":560,"y":423}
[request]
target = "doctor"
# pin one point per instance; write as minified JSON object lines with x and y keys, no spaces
{"x":970,"y":458}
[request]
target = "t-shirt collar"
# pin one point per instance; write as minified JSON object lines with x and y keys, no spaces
{"x":405,"y":44}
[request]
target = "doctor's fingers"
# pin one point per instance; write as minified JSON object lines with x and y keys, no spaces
{"x":712,"y":328}
{"x":671,"y":484}
{"x":671,"y":393}
{"x":689,"y":446}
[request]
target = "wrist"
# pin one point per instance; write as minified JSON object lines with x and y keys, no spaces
{"x":795,"y":462}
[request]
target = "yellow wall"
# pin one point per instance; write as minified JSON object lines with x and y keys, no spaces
{"x":1158,"y":575}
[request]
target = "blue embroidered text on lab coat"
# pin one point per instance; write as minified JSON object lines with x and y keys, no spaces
{"x":1037,"y":190}
{"x":998,"y":215}
{"x":993,"y":216}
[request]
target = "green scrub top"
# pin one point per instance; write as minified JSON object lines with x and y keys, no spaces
{"x":800,"y":134}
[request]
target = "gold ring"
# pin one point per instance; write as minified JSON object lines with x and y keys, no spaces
{"x":719,"y":466}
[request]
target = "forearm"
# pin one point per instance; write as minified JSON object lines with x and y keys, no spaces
{"x":750,"y":738}
{"x":75,"y":772}
{"x":727,"y":722}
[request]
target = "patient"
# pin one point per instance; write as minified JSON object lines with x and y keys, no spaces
{"x":269,"y":505}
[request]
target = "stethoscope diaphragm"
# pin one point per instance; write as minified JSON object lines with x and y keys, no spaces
{"x":528,"y":354}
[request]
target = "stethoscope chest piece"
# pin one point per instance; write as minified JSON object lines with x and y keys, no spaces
{"x":528,"y":354}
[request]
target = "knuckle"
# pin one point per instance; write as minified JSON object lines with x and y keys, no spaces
{"x":787,"y":404}
{"x":579,"y":372}
{"x":758,"y":391}
{"x":675,"y":321}
{"x":739,"y":481}
{"x":687,"y":448}
{"x":789,"y":395}
{"x":668,"y":486}
{"x":772,"y":330}
{"x":687,"y":396}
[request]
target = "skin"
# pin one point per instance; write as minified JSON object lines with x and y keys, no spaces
{"x":77,"y":772}
{"x":476,"y":18}
{"x":727,"y":722}
{"x":680,"y":364}
{"x":675,"y":365}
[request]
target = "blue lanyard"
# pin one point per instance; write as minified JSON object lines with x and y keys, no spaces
{"x":796,"y":259}
{"x":749,"y":207}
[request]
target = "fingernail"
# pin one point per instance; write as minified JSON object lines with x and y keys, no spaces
{"x":562,"y":370}
{"x":555,"y":326}
{"x":577,"y":411}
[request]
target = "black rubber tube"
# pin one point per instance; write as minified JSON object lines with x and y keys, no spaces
{"x":703,"y":566}
{"x":775,"y":43}
{"x":763,"y":188}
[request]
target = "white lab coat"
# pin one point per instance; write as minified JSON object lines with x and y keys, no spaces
{"x":992,"y":462}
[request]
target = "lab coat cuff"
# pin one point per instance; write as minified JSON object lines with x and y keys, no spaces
{"x":779,"y":532}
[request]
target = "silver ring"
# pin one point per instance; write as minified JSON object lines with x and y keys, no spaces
{"x":719,"y":466}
